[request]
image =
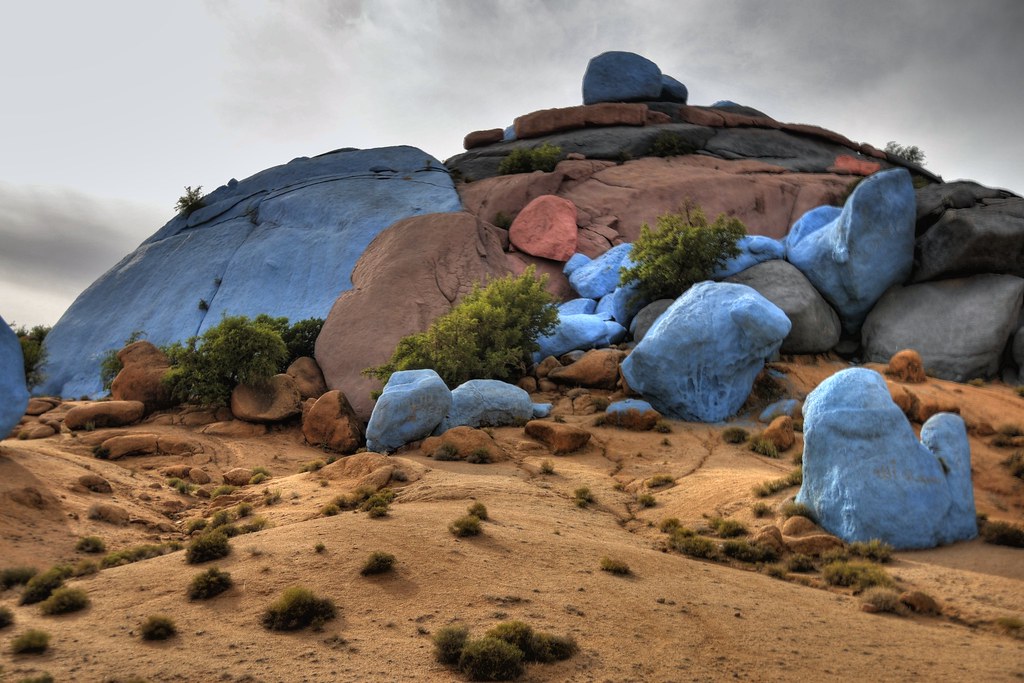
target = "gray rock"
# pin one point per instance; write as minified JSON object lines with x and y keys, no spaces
{"x":816,"y":326}
{"x":647,"y":316}
{"x":934,"y":199}
{"x":780,"y":148}
{"x":959,"y":326}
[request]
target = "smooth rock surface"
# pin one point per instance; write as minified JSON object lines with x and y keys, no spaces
{"x":560,"y":438}
{"x":600,"y":276}
{"x":579,"y":331}
{"x":866,"y":475}
{"x":577,"y":306}
{"x":597,"y":369}
{"x":647,"y":316}
{"x":621,"y":77}
{"x":104,"y":414}
{"x":309,"y":380}
{"x":332,"y":424}
{"x":754,"y":249}
{"x":141,"y":376}
{"x":277,"y":400}
{"x":487,"y":403}
{"x":13,"y":393}
{"x":699,"y":361}
{"x":959,"y":327}
{"x":546,"y":227}
{"x":411,"y":406}
{"x":632,"y":414}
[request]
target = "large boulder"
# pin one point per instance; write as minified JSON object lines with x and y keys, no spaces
{"x":866,"y":249}
{"x":308,"y":378}
{"x":621,"y":77}
{"x":866,"y":475}
{"x":699,"y":361}
{"x":599,"y":277}
{"x":411,"y":406}
{"x":579,"y":332}
{"x":13,"y":393}
{"x":282,"y":242}
{"x":816,"y":326}
{"x":959,"y":327}
{"x":546,"y":227}
{"x":412,"y":274}
{"x":332,"y":424}
{"x":104,"y":414}
{"x":487,"y":403}
{"x":276,"y":400}
{"x":647,"y":316}
{"x":143,"y":367}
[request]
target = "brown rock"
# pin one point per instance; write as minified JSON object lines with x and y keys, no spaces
{"x":780,"y":432}
{"x":35,"y":430}
{"x":907,"y":400}
{"x":95,"y":483}
{"x":104,"y":414}
{"x":308,"y":378}
{"x":546,"y":385}
{"x":557,"y":283}
{"x":770,"y":537}
{"x":919,"y":602}
{"x":140,"y":379}
{"x":198,"y":476}
{"x":598,"y":368}
{"x":274,"y":401}
{"x":528,"y":384}
{"x":559,"y":438}
{"x":812,"y":544}
{"x":40,"y":405}
{"x":906,"y":366}
{"x":172,"y":444}
{"x":465,"y":441}
{"x":547,"y":121}
{"x":239,"y":429}
{"x":546,"y":366}
{"x":410,"y":274}
{"x":239,"y":476}
{"x":508,"y":194}
{"x":109,"y":513}
{"x":481,"y":138}
{"x":177,"y":471}
{"x":197,"y":417}
{"x":332,"y":424}
{"x":130,"y":444}
{"x":633,"y":419}
{"x":546,"y":227}
{"x":798,"y":525}
{"x":930,"y":406}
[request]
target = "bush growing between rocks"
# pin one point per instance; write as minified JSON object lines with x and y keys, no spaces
{"x":31,"y":642}
{"x":668,"y":143}
{"x":158,"y":627}
{"x":490,"y":334}
{"x":684,"y":250}
{"x":765,"y":447}
{"x":208,"y":584}
{"x":794,"y":509}
{"x":794,"y":478}
{"x":33,"y":353}
{"x":110,"y":364}
{"x":191,"y":201}
{"x":1015,"y":463}
{"x":874,"y":550}
{"x":727,"y":528}
{"x":911,"y":153}
{"x":542,"y":158}
{"x":64,"y":600}
{"x":210,"y":546}
{"x":745,"y":551}
{"x":298,"y":608}
{"x":692,"y":545}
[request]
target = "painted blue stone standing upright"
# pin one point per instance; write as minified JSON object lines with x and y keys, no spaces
{"x":13,"y":394}
{"x":411,"y":406}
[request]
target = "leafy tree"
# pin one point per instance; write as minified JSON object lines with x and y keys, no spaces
{"x":300,"y":338}
{"x":684,"y":250}
{"x":490,"y":334}
{"x":542,"y":158}
{"x":238,"y":350}
{"x":33,"y":352}
{"x":911,"y":153}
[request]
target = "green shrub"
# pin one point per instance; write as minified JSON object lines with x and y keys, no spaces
{"x":158,"y":627}
{"x":446,"y":452}
{"x":686,"y":249}
{"x":64,"y":600}
{"x":448,"y":643}
{"x":727,"y":528}
{"x":745,"y":551}
{"x":613,"y":566}
{"x":330,"y":510}
{"x":16,"y":576}
{"x":243,"y":510}
{"x":692,"y":545}
{"x":861,"y":575}
{"x":378,"y":563}
{"x":911,"y":153}
{"x":137,"y":553}
{"x":212,"y":545}
{"x":765,"y":447}
{"x":236,"y":351}
{"x":6,"y":617}
{"x":467,"y":525}
{"x":377,"y":504}
{"x":478,"y":510}
{"x":735,"y":435}
{"x":547,"y":467}
{"x":223,"y":490}
{"x":1003,"y":533}
{"x":670,"y":524}
{"x":40,"y":586}
{"x":90,"y":544}
{"x":297,"y":608}
{"x":490,"y":334}
{"x":300,"y":338}
{"x":793,"y":509}
{"x":552,"y":648}
{"x":479,"y":456}
{"x":31,"y":642}
{"x":799,"y":563}
{"x":669,"y":143}
{"x":874,"y":550}
{"x":502,"y":220}
{"x":208,"y":584}
{"x":491,"y":659}
{"x":542,"y":158}
{"x":33,"y":352}
{"x":582,"y":497}
{"x":794,"y":478}
{"x":761,"y":509}
{"x":191,"y":201}
{"x":660,"y":480}
{"x":646,"y":500}
{"x":1013,"y":626}
{"x":313,"y":466}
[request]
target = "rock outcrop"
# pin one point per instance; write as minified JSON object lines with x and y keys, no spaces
{"x":411,"y":406}
{"x":104,"y":414}
{"x":332,"y":424}
{"x":487,"y":403}
{"x":621,"y":77}
{"x":13,"y":393}
{"x":141,"y":376}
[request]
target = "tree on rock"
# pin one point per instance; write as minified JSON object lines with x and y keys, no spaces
{"x":911,"y":153}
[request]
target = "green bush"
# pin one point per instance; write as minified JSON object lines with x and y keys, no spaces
{"x":40,"y":586}
{"x":542,"y":158}
{"x":794,"y":509}
{"x":646,"y":500}
{"x":874,"y":550}
{"x":64,"y":600}
{"x":798,"y":562}
{"x":794,"y":478}
{"x":158,"y":627}
{"x":236,"y":351}
{"x":582,"y":497}
{"x":660,"y":480}
{"x":727,"y":528}
{"x":692,"y":545}
{"x":33,"y":352}
{"x":191,"y":201}
{"x":90,"y":544}
{"x":6,"y":617}
{"x":478,"y":510}
{"x":490,"y":334}
{"x":861,"y":575}
{"x":613,"y":566}
{"x":547,"y":467}
{"x":300,"y":338}
{"x":378,"y":563}
{"x":137,"y":553}
{"x":297,"y":608}
{"x":735,"y":435}
{"x":31,"y":642}
{"x":765,"y":447}
{"x":223,"y":490}
{"x":448,"y":643}
{"x":16,"y":576}
{"x":491,"y":659}
{"x":911,"y":153}
{"x":883,"y":599}
{"x":212,"y":545}
{"x":744,"y":551}
{"x":686,"y":249}
{"x":208,"y":584}
{"x":467,"y":525}
{"x":761,"y":509}
{"x":669,"y":143}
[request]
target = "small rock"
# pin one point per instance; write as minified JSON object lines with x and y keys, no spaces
{"x":632,"y":414}
{"x":465,"y":441}
{"x":198,"y":476}
{"x":95,"y":483}
{"x":906,"y":366}
{"x":239,"y":476}
{"x":780,"y":432}
{"x":798,"y":525}
{"x":559,"y":438}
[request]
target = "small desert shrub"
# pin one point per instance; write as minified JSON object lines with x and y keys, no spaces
{"x":243,"y":510}
{"x":583,"y":497}
{"x":191,"y":201}
{"x":31,"y":642}
{"x":491,"y":659}
{"x":90,"y":544}
{"x":446,"y":452}
{"x":552,"y":648}
{"x":692,"y":545}
{"x":313,"y":466}
{"x":735,"y":435}
{"x":180,"y":485}
{"x":502,"y":220}
{"x":41,"y":586}
{"x":976,"y":382}
{"x":297,"y":608}
{"x":220,"y":518}
{"x":85,"y":568}
{"x":330,"y":510}
{"x":320,"y":548}
{"x":776,"y":571}
{"x":1015,"y":463}
{"x":793,"y":509}
{"x":670,"y":524}
{"x":448,"y":643}
{"x":478,"y":509}
{"x":860,"y":575}
{"x":136,"y":554}
{"x":1001,"y":441}
{"x":209,"y":546}
{"x":799,"y":563}
{"x":479,"y":456}
{"x":6,"y":617}
{"x":378,"y":504}
{"x":831,"y":555}
{"x":547,"y":467}
{"x":16,"y":576}
{"x":1003,"y":533}
{"x":223,"y":490}
{"x":663,"y":427}
{"x":727,"y":528}
{"x":874,"y":550}
{"x":208,"y":584}
{"x":669,"y":143}
{"x":883,"y":599}
{"x":613,"y":566}
{"x":271,"y":497}
{"x":378,"y":563}
{"x":660,"y":480}
{"x":745,"y":551}
{"x":64,"y":600}
{"x":761,"y":509}
{"x":542,"y":158}
{"x":258,"y":478}
{"x":794,"y":478}
{"x":158,"y":627}
{"x":100,"y":452}
{"x":467,"y":525}
{"x":765,"y":447}
{"x":646,"y":500}
{"x":1013,"y":626}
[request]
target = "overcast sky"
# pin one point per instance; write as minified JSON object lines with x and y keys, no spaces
{"x":109,"y":108}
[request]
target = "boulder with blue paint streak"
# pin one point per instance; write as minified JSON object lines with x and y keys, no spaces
{"x":699,"y":360}
{"x":621,"y":77}
{"x":412,"y":404}
{"x":575,"y":261}
{"x":598,"y":277}
{"x":487,"y":403}
{"x":866,"y":475}
{"x":865,"y":250}
{"x":282,"y":242}
{"x":754,"y":249}
{"x":13,"y":394}
{"x":579,"y":331}
{"x":577,"y":306}
{"x":632,"y":414}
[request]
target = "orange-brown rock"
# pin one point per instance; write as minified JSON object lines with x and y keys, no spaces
{"x":848,"y":164}
{"x":906,"y":366}
{"x":812,"y":544}
{"x":308,"y":377}
{"x":198,"y":476}
{"x":331,"y":424}
{"x":178,"y":444}
{"x":197,"y":417}
{"x":461,"y":443}
{"x":547,"y":121}
{"x":239,"y":429}
{"x":528,"y":384}
{"x":598,"y":369}
{"x":141,"y":375}
{"x":798,"y":525}
{"x":109,"y":513}
{"x":780,"y":432}
{"x":770,"y":537}
{"x":176,"y":471}
{"x":238,"y":476}
{"x":930,"y":406}
{"x":40,"y":405}
{"x":277,"y":400}
{"x":130,"y":444}
{"x":559,"y":438}
{"x":546,"y":227}
{"x":480,"y":138}
{"x":104,"y":414}
{"x":919,"y":602}
{"x":633,"y":419}
{"x":95,"y":483}
{"x":34,"y":430}
{"x":546,"y":366}
{"x":907,"y":400}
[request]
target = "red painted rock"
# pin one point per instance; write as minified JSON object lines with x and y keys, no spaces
{"x":546,"y":227}
{"x":481,"y":138}
{"x":847,"y":164}
{"x":140,"y":378}
{"x":332,"y":424}
{"x":547,"y":121}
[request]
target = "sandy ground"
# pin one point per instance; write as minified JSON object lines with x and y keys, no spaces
{"x":538,"y":558}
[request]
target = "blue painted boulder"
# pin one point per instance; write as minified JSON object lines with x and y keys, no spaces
{"x":598,"y":277}
{"x":866,"y":475}
{"x":787,"y":406}
{"x":487,"y":403}
{"x":865,"y":250}
{"x":412,"y":405}
{"x":754,"y":249}
{"x":699,"y":360}
{"x":13,"y":394}
{"x":672,"y":90}
{"x":621,"y":77}
{"x":812,"y":221}
{"x":282,"y":242}
{"x":574,"y":262}
{"x":577,"y":306}
{"x":579,"y":331}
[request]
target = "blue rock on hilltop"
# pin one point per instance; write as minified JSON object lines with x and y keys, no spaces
{"x":412,"y":405}
{"x":13,"y":394}
{"x":621,"y":77}
{"x":865,"y":474}
{"x":487,"y":403}
{"x":282,"y":242}
{"x":699,"y":360}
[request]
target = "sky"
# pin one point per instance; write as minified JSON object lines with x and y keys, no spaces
{"x":110,"y":108}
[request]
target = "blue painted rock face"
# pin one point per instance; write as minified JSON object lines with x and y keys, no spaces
{"x":594,"y":279}
{"x":411,"y":406}
{"x":699,"y":360}
{"x":754,"y":249}
{"x":865,"y":474}
{"x":672,"y":90}
{"x":577,"y":306}
{"x":868,"y":248}
{"x":487,"y":403}
{"x":13,"y":394}
{"x":621,"y":77}
{"x":282,"y":242}
{"x":579,"y":331}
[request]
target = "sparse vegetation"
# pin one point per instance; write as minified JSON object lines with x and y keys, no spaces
{"x":223,"y":490}
{"x":41,"y":586}
{"x":1003,"y":533}
{"x":582,"y":497}
{"x":158,"y":627}
{"x":208,"y":584}
{"x":446,"y":452}
{"x":90,"y":544}
{"x":691,"y":544}
{"x":659,"y":480}
{"x":646,"y":500}
{"x":547,"y":467}
{"x":212,"y":545}
{"x":542,"y":158}
{"x":479,"y":456}
{"x":761,"y":509}
{"x":297,"y":608}
{"x":911,"y":153}
{"x":794,"y":478}
{"x":735,"y":435}
{"x":33,"y":353}
{"x":727,"y":528}
{"x":137,"y":553}
{"x":478,"y":510}
{"x":191,"y":201}
{"x":614,"y":566}
{"x":883,"y":599}
{"x":799,"y":563}
{"x":491,"y":659}
{"x":378,"y":562}
{"x":765,"y":447}
{"x":64,"y":600}
{"x":1013,"y":626}
{"x":467,"y":525}
{"x":16,"y":576}
{"x":745,"y":551}
{"x":1015,"y":463}
{"x":874,"y":550}
{"x":793,"y":509}
{"x":669,"y":143}
{"x":448,"y":643}
{"x":31,"y":642}
{"x":860,"y":575}
{"x":6,"y":617}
